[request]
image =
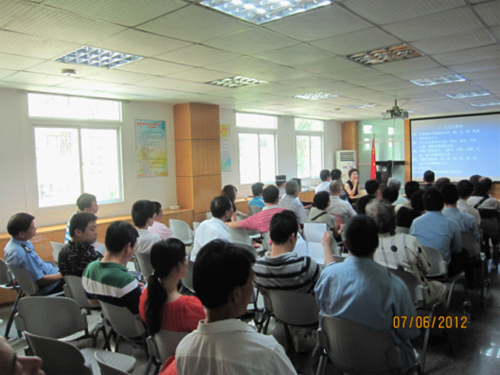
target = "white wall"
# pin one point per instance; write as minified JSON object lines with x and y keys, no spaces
{"x":287,"y":165}
{"x":18,"y":187}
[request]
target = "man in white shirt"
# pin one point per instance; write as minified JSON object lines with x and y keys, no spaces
{"x":143,"y":213}
{"x":465,"y":189}
{"x":222,"y":344}
{"x":337,"y":205}
{"x":214,"y":228}
{"x":290,"y":201}
{"x":324,"y":185}
{"x":158,"y":227}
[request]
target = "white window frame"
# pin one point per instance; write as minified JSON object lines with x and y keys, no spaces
{"x":309,"y":133}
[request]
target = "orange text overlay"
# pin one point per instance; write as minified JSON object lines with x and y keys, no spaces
{"x":426,"y":322}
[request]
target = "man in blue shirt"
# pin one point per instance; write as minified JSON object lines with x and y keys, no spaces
{"x":365,"y":292}
{"x":20,"y":253}
{"x":257,"y":195}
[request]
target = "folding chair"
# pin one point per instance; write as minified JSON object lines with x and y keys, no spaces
{"x":358,"y":349}
{"x":162,"y":346}
{"x":144,"y":264}
{"x":56,"y":249}
{"x":240,"y":235}
{"x":73,"y":289}
{"x":247,"y":247}
{"x":182,"y":231}
{"x":7,"y":282}
{"x":403,"y":230}
{"x":252,"y":210}
{"x":110,"y":364}
{"x":476,"y":257}
{"x":187,"y":281}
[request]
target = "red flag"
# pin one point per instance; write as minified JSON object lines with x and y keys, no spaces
{"x":373,"y":168}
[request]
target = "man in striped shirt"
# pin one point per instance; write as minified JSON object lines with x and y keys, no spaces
{"x":108,"y":279}
{"x":282,"y":268}
{"x":260,"y":221}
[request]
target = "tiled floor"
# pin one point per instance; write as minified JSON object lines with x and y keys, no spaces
{"x":475,"y":350}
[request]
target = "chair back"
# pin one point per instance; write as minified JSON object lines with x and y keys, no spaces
{"x":56,"y":249}
{"x":293,"y":308}
{"x":5,"y":274}
{"x":355,"y":348}
{"x":240,"y":234}
{"x":144,"y":263}
{"x":162,"y":344}
{"x":73,"y":289}
{"x":403,"y":230}
{"x":187,"y":281}
{"x":24,"y":280}
{"x":470,"y":244}
{"x":196,"y":224}
{"x":438,"y":266}
{"x":266,"y":239}
{"x":105,"y":368}
{"x":181,"y":230}
{"x":339,"y":258}
{"x":417,"y":290}
{"x":54,"y":317}
{"x":252,"y":210}
{"x":122,"y":320}
{"x":58,"y":357}
{"x":208,"y":215}
{"x":247,"y":247}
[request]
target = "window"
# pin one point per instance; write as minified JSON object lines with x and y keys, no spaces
{"x":309,"y":142}
{"x":74,"y":158}
{"x":257,"y":147}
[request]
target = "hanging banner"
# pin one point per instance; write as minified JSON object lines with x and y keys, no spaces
{"x":151,"y":148}
{"x":225,"y":148}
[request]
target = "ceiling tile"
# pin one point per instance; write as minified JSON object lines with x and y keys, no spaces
{"x":332,"y":64}
{"x":456,"y":87}
{"x":251,"y":41}
{"x":489,"y":12}
{"x":85,"y":84}
{"x":247,"y":66}
{"x":124,"y":12}
{"x":319,"y":23}
{"x":375,"y":80}
{"x":358,"y":41}
{"x":12,"y":9}
{"x":417,"y":63}
{"x":496,"y":30}
{"x":141,"y":43}
{"x":469,"y":55}
{"x":423,"y":74}
{"x":445,"y":23}
{"x":307,"y":80}
{"x":482,"y":74}
{"x":15,"y":62}
{"x":353,"y":73}
{"x":61,"y":25}
{"x":55,"y":68}
{"x":36,"y":78}
{"x":199,"y":75}
{"x":390,"y":11}
{"x":195,"y":24}
{"x":32,"y":46}
{"x":153,"y":67}
{"x":198,"y":55}
{"x":476,"y":66}
{"x":180,"y":85}
{"x":119,"y":76}
{"x":295,"y":55}
{"x":488,"y":83}
{"x":475,"y":38}
{"x":281,"y":73}
{"x":6,"y":72}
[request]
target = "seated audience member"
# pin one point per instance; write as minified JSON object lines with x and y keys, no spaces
{"x":280,"y":184}
{"x":352,"y":185}
{"x":161,"y":306}
{"x":401,"y":250}
{"x":363,"y":291}
{"x":336,"y":174}
{"x":257,"y":195}
{"x":440,"y":182}
{"x":230,"y":192}
{"x":214,"y":228}
{"x":405,"y":215}
{"x":143,"y":213}
{"x":13,"y":364}
{"x":299,"y":182}
{"x":465,"y":189}
{"x":260,"y":221}
{"x":475,"y":181}
{"x":290,"y":201}
{"x":429,"y":177}
{"x":338,"y":206}
{"x":410,"y":188}
{"x":324,"y":185}
{"x":222,"y":344}
{"x":158,"y":227}
{"x":85,"y":203}
{"x":319,"y":214}
{"x":396,"y":183}
{"x":108,"y":279}
{"x":282,"y":268}
{"x":465,"y":221}
{"x":362,"y":203}
{"x":372,"y":187}
{"x":390,"y":194}
{"x":440,"y":232}
{"x":80,"y":251}
{"x":19,"y":252}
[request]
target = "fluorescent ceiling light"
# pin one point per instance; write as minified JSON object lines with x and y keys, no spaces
{"x":383,"y":55}
{"x":315,"y":96}
{"x":98,"y":57}
{"x":360,"y":106}
{"x":471,"y":94}
{"x":490,"y":104}
{"x":260,"y":11}
{"x":438,"y":80}
{"x":235,"y":82}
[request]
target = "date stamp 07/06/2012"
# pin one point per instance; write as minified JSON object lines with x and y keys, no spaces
{"x":425,"y":322}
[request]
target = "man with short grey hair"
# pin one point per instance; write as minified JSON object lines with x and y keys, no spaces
{"x":290,"y":202}
{"x":338,"y":206}
{"x":394,"y":181}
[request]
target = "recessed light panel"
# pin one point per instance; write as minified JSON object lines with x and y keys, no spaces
{"x":472,"y":94}
{"x":98,"y":57}
{"x":438,"y":80}
{"x":383,"y":55}
{"x":489,"y":104}
{"x":260,"y":11}
{"x":360,"y":106}
{"x":315,"y":96}
{"x":235,"y":82}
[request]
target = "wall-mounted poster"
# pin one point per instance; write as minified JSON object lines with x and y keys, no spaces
{"x":151,"y":148}
{"x":225,"y":148}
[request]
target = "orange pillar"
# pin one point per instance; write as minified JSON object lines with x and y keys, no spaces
{"x":350,"y":139}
